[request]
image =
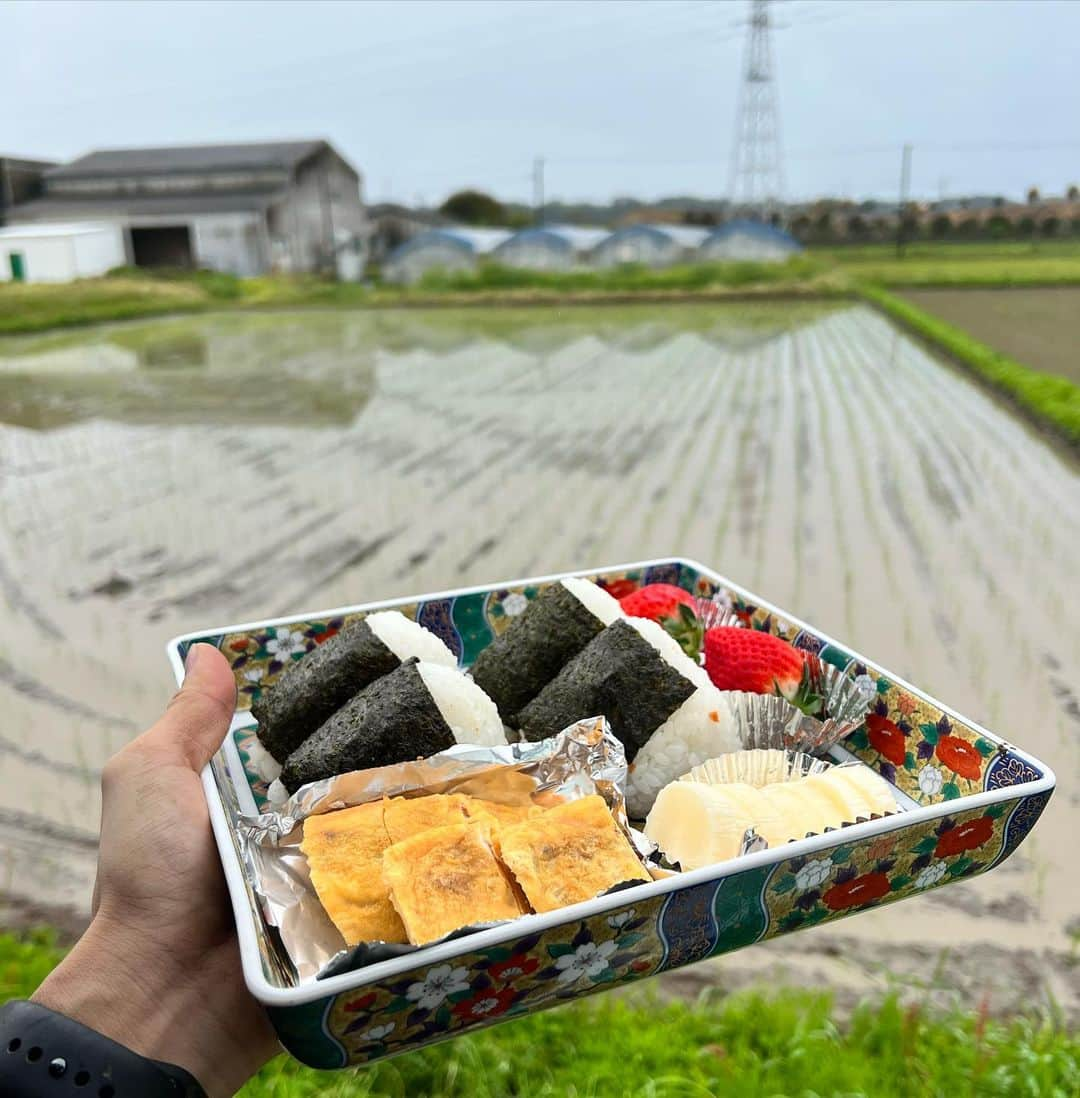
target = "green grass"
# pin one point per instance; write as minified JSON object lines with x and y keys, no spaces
{"x":786,"y":1043}
{"x":960,"y":264}
{"x":630,"y":278}
{"x":1050,"y":399}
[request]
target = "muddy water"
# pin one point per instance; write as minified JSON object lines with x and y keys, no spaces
{"x":167,"y":476}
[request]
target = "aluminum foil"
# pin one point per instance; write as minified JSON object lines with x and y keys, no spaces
{"x":583,"y":759}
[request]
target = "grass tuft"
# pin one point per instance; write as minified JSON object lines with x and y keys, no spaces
{"x":746,"y":1045}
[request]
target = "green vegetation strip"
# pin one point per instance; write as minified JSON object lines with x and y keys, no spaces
{"x":1050,"y":400}
{"x":746,"y":1045}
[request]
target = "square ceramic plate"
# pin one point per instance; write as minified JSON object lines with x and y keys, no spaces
{"x":969,"y":800}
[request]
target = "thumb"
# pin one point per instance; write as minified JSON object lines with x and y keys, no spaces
{"x":198,"y":717}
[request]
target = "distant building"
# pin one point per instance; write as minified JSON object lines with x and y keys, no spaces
{"x":59,"y":252}
{"x":649,"y":245}
{"x":749,"y":240}
{"x":549,"y":248}
{"x":20,"y":180}
{"x":454,"y":248}
{"x":244,"y":209}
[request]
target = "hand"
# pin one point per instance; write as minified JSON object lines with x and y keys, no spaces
{"x":158,"y":969}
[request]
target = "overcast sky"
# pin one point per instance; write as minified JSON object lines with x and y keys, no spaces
{"x":621,"y":98}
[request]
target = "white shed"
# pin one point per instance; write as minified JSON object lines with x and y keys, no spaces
{"x":58,"y":252}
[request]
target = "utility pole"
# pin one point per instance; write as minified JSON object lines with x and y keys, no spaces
{"x":757,"y":173}
{"x":905,"y":183}
{"x":538,"y":189}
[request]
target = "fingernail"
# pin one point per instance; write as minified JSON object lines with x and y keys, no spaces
{"x":192,"y":658}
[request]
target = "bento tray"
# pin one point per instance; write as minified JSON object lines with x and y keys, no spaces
{"x":969,"y":799}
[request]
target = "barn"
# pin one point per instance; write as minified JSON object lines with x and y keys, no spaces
{"x":246,"y":209}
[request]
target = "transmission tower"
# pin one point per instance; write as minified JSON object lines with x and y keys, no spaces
{"x":757,"y":174}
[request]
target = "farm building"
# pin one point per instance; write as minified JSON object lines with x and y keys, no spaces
{"x":550,"y":248}
{"x":451,"y":249}
{"x":245,"y":209}
{"x":749,"y":240}
{"x":59,"y":253}
{"x":649,"y":245}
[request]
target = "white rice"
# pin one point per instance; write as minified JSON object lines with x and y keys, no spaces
{"x":701,"y":728}
{"x":262,"y":762}
{"x":594,"y":598}
{"x":405,"y":638}
{"x":470,"y":713}
{"x":277,"y":794}
{"x":670,"y":652}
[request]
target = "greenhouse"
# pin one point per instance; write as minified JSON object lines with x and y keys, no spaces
{"x":749,"y":240}
{"x":551,"y":248}
{"x":649,"y":245}
{"x":441,"y":250}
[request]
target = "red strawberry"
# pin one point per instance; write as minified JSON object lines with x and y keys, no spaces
{"x":759,"y":663}
{"x":656,"y":601}
{"x":672,"y":607}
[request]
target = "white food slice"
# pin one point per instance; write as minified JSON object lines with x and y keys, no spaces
{"x":697,"y":825}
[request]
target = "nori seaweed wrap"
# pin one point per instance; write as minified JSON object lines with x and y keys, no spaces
{"x":619,"y":675}
{"x":393,"y":720}
{"x":316,"y":686}
{"x":520,"y":662}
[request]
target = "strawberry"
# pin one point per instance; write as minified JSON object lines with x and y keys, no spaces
{"x":656,"y":601}
{"x":672,"y":607}
{"x":759,"y":663}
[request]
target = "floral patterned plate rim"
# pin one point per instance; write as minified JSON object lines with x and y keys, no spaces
{"x":228,"y":794}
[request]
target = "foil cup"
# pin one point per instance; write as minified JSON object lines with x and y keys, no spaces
{"x":583,"y":759}
{"x":847,"y":700}
{"x":758,"y":767}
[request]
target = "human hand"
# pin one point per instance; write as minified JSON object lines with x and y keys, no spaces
{"x":158,"y":969}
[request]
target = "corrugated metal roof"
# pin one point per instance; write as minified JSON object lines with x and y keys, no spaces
{"x":75,"y":209}
{"x":187,"y":158}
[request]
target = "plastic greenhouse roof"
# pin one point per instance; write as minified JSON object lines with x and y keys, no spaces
{"x":755,"y":228}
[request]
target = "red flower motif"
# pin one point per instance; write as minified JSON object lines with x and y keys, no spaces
{"x":961,"y":756}
{"x":321,"y":638}
{"x":519,"y":965}
{"x":641,"y":966}
{"x":485,"y":1004}
{"x":360,"y":1004}
{"x":239,"y":646}
{"x":886,"y":738}
{"x":619,"y":589}
{"x":857,"y":891}
{"x":965,"y":836}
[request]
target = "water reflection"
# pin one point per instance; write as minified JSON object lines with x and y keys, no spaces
{"x":163,"y":477}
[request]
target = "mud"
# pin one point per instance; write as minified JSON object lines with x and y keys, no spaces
{"x":1038,"y":327}
{"x":270,"y":464}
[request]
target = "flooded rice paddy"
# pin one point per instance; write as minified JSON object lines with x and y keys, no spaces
{"x":167,"y":476}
